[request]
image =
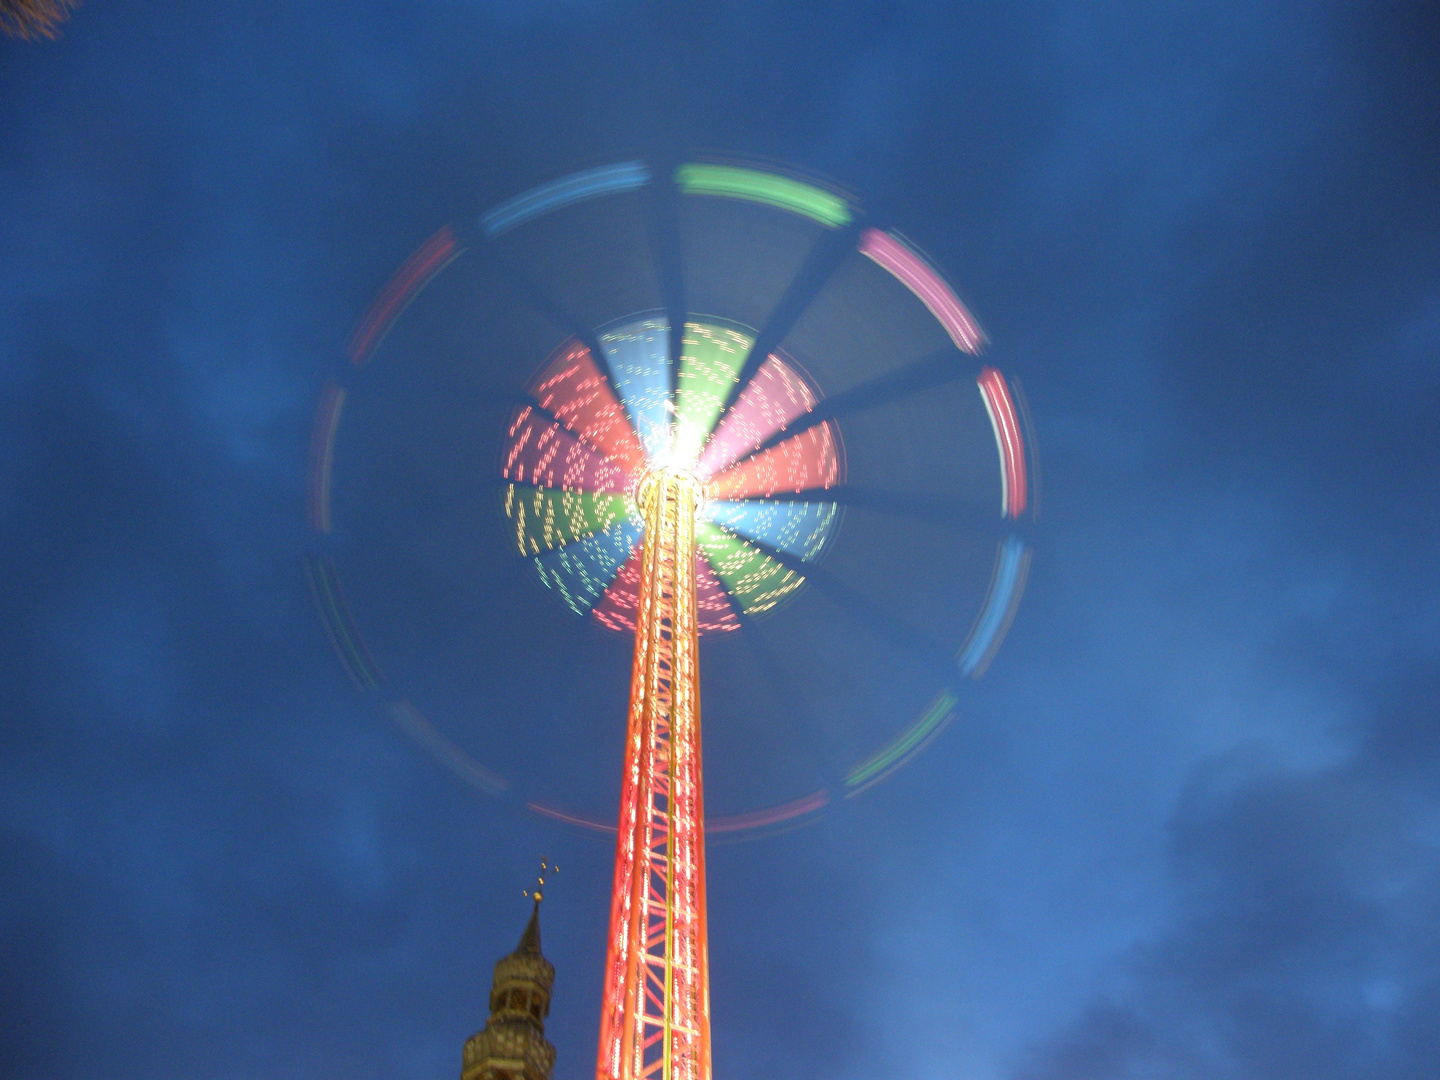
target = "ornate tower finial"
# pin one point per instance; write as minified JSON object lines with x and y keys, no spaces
{"x":513,"y":1045}
{"x":539,"y":893}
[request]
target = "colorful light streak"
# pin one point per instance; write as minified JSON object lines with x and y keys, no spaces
{"x":753,"y":578}
{"x":548,"y":518}
{"x":638,"y":354}
{"x":710,"y":363}
{"x":417,"y":271}
{"x":616,"y":605}
{"x":714,"y":610}
{"x":412,"y":721}
{"x":322,"y":455}
{"x":575,"y":460}
{"x":769,"y":815}
{"x":752,"y":185}
{"x":912,"y":271}
{"x":909,"y":743}
{"x":809,"y":461}
{"x":605,"y":180}
{"x":582,"y":572}
{"x":797,"y":528}
{"x":541,"y":452}
{"x":1007,"y":582}
{"x":749,"y":821}
{"x":569,"y":819}
{"x":775,"y":396}
{"x":1006,"y":426}
{"x":577,"y":393}
{"x":340,"y":625}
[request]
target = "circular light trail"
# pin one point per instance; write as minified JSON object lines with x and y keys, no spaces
{"x":754,"y":429}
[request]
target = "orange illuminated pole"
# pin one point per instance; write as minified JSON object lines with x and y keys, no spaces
{"x":655,"y":1017}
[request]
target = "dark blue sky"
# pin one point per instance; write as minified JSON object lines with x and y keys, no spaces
{"x":1188,"y":825}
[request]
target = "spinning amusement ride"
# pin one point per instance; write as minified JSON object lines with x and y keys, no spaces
{"x":739,"y":375}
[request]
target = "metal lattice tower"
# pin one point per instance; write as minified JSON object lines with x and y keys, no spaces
{"x":655,"y":1020}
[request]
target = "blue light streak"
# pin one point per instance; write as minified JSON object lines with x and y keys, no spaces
{"x":606,"y":180}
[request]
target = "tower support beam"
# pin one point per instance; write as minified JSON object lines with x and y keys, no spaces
{"x":655,"y":1020}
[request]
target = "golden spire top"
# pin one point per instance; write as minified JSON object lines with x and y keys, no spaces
{"x":538,"y":893}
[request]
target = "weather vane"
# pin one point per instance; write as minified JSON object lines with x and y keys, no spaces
{"x":538,"y":893}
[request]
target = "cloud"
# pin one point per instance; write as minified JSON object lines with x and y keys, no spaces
{"x":1303,"y":944}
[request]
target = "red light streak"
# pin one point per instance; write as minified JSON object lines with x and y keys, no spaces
{"x":578,"y":394}
{"x":713,"y":609}
{"x":418,"y":270}
{"x":616,"y":608}
{"x":569,"y":819}
{"x":1006,"y":426}
{"x":803,"y":462}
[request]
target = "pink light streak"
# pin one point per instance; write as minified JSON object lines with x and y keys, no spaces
{"x":413,"y":722}
{"x":769,"y":815}
{"x":916,"y":275}
{"x":775,"y":396}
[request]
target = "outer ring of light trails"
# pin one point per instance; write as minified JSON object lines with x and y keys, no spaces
{"x":624,"y":431}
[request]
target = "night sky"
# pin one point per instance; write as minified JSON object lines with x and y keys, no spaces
{"x":1186,"y":826}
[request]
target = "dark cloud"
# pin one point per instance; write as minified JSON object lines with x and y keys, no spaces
{"x":1302,"y":943}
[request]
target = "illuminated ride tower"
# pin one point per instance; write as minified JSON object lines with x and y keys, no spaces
{"x":655,"y":1016}
{"x":672,"y":471}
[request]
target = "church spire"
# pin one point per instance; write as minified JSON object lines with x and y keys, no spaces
{"x":530,"y":940}
{"x":513,"y":1045}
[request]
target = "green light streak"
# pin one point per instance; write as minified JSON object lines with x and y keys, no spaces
{"x":907,"y":743}
{"x":756,"y":581}
{"x":762,"y":187}
{"x":341,"y":627}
